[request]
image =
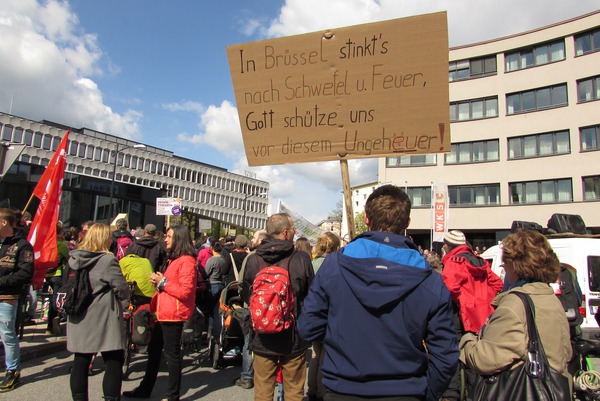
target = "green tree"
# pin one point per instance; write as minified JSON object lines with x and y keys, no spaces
{"x":337,"y":214}
{"x":359,"y":223}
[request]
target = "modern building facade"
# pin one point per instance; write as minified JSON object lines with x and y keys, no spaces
{"x":142,"y":174}
{"x":525,"y":129}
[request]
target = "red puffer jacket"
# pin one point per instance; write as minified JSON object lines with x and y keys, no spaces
{"x":176,"y":302}
{"x":472,"y":284}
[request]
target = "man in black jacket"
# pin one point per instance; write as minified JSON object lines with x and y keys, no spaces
{"x":16,"y":271}
{"x":149,"y":247}
{"x":285,"y":347}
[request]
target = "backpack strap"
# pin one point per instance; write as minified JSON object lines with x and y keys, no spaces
{"x":234,"y":266}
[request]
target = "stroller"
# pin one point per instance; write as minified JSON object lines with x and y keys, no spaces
{"x":230,"y":341}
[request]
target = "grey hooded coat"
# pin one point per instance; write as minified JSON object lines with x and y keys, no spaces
{"x":101,"y":327}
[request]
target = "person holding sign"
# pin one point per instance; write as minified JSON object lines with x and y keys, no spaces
{"x":383,"y":315}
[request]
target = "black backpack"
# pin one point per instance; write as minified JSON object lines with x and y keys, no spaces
{"x":569,"y":294}
{"x":75,"y":295}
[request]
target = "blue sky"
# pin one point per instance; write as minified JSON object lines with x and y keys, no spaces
{"x":157,"y":71}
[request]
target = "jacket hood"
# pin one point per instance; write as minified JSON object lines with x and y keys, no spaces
{"x":272,"y":250}
{"x":382,"y":268}
{"x":82,"y":259}
{"x":121,"y":233}
{"x":476,"y":265}
{"x":147,"y":242}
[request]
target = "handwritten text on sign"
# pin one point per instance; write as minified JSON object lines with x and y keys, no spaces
{"x":363,"y":91}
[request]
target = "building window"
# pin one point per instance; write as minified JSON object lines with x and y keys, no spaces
{"x":82,"y":150}
{"x":590,"y":138}
{"x":536,"y":99}
{"x":534,"y":56}
{"x":420,"y":196}
{"x":47,"y":142}
{"x":553,"y":143}
{"x":587,"y":42}
{"x":548,"y":191}
{"x":90,"y":152}
{"x":591,"y":188}
{"x":474,"y":195}
{"x":473,"y":68}
{"x":7,"y":132}
{"x":411,"y":161}
{"x":37,"y":139}
{"x":474,"y":109}
{"x":588,"y":89}
{"x":473,"y":152}
{"x":18,"y":135}
{"x":73,"y":145}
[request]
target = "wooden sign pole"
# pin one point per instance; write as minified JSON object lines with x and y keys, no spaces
{"x":348,"y":198}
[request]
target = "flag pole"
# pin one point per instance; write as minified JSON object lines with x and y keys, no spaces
{"x":28,"y":203}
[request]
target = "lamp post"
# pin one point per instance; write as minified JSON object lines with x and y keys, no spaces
{"x":112,"y":181}
{"x":246,"y":196}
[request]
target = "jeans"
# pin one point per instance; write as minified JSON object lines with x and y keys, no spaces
{"x":215,"y":290}
{"x":8,"y":334}
{"x":247,"y":361}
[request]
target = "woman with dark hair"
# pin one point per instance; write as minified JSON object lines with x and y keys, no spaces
{"x":530,"y":265}
{"x":172,"y":304}
{"x":84,"y":338}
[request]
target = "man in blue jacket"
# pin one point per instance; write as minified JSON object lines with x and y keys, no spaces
{"x":384,"y":315}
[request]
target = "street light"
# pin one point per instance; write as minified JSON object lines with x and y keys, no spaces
{"x":112,"y":182}
{"x":246,"y":196}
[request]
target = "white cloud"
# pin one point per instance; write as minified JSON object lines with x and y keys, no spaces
{"x":469,"y":21}
{"x":220,"y":128}
{"x":51,"y":64}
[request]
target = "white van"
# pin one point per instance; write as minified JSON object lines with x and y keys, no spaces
{"x":583,"y":253}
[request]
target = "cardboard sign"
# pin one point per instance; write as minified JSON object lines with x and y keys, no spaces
{"x":369,"y":90}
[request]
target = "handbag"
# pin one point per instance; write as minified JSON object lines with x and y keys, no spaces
{"x":533,"y":380}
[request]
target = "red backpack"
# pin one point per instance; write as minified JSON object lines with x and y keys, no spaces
{"x":122,"y":245}
{"x":272,"y":301}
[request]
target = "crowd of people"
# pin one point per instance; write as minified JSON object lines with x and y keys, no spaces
{"x":383,"y":319}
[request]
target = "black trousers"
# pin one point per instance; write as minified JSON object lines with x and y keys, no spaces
{"x":167,"y":336}
{"x":113,"y":375}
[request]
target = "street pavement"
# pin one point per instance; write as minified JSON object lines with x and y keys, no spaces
{"x":45,"y":369}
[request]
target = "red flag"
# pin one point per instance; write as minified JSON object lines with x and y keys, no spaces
{"x":42,"y":234}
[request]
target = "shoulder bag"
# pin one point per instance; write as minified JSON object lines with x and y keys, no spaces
{"x":533,"y":380}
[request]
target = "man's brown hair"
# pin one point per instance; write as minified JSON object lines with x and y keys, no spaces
{"x":9,"y":216}
{"x":388,"y":210}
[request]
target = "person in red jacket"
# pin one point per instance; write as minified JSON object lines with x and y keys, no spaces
{"x":173,"y":304}
{"x":473,"y":286}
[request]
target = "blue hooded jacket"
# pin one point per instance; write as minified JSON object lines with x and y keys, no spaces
{"x":385,"y":318}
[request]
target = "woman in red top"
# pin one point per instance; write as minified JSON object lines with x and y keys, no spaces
{"x":172,"y":304}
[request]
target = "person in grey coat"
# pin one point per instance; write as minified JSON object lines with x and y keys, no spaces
{"x":101,"y":327}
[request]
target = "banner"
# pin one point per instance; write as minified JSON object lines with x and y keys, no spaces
{"x":168,"y":206}
{"x":42,"y":234}
{"x":304,"y":228}
{"x":439,"y":204}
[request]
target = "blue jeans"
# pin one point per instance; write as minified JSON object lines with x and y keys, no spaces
{"x":247,"y":365}
{"x":8,"y":334}
{"x":215,"y":290}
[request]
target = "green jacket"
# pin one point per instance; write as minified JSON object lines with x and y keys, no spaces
{"x":503,"y":341}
